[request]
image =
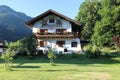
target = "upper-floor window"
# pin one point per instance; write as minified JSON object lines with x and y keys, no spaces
{"x":58,"y":22}
{"x":51,"y":20}
{"x":64,"y":31}
{"x":43,"y":31}
{"x":44,"y":23}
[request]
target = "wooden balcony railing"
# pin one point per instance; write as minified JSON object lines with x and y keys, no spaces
{"x":57,"y":35}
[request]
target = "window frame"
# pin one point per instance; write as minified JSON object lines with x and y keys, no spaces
{"x":50,"y":22}
{"x":74,"y":44}
{"x":60,"y":43}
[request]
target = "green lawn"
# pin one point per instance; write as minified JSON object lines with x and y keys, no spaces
{"x":66,"y":68}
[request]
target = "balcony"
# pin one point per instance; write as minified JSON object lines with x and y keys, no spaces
{"x":60,"y":34}
{"x":56,"y":35}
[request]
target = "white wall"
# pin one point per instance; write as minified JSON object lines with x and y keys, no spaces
{"x":52,"y":44}
{"x":1,"y":50}
{"x":52,"y":27}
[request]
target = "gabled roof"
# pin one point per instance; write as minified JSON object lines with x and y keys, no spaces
{"x":32,"y":21}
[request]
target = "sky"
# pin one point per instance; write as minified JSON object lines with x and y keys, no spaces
{"x":34,"y":8}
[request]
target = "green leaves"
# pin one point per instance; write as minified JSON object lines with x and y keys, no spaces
{"x":108,"y":26}
{"x":51,"y":56}
{"x":88,"y":15}
{"x":8,"y":57}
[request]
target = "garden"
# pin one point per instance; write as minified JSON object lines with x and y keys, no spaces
{"x":66,"y":67}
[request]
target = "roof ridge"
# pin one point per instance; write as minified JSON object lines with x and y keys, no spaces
{"x":30,"y":22}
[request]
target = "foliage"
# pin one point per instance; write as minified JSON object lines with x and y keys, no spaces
{"x":87,"y":16}
{"x":100,"y":20}
{"x":31,"y":45}
{"x":24,"y":46}
{"x":18,"y":46}
{"x":51,"y":56}
{"x":92,"y":51}
{"x":74,"y":55}
{"x":106,"y":52}
{"x":8,"y":57}
{"x":108,"y":25}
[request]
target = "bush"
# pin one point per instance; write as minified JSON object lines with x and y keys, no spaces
{"x":106,"y":52}
{"x":92,"y":51}
{"x":51,"y":56}
{"x":22,"y":52}
{"x":8,"y":57}
{"x":74,"y":55}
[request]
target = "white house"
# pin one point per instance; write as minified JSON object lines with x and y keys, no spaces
{"x":56,"y":31}
{"x":2,"y":47}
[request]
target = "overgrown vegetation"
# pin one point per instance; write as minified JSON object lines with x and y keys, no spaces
{"x":100,"y":20}
{"x":92,"y":51}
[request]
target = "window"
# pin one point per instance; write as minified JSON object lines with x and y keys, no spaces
{"x":60,"y":43}
{"x":42,"y":43}
{"x":43,"y":31}
{"x":74,"y":44}
{"x":51,"y":20}
{"x":44,"y":22}
{"x":61,"y":31}
{"x":65,"y":50}
{"x":58,"y":22}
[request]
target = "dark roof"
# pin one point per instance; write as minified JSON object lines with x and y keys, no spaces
{"x":32,"y":21}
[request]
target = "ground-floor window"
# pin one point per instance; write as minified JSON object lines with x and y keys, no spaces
{"x":42,"y":43}
{"x":60,"y":43}
{"x":74,"y":44}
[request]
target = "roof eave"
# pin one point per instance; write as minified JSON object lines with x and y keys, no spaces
{"x":31,"y":22}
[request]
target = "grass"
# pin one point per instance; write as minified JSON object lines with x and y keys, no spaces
{"x":66,"y":68}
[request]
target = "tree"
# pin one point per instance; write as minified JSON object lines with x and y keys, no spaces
{"x":108,"y":25}
{"x":87,"y":16}
{"x":18,"y":46}
{"x":31,"y":45}
{"x":51,"y":56}
{"x":8,"y":57}
{"x":22,"y":46}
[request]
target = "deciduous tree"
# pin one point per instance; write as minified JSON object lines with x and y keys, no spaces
{"x":87,"y":16}
{"x":109,"y":25}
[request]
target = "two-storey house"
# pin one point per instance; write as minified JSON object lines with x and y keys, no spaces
{"x":56,"y":31}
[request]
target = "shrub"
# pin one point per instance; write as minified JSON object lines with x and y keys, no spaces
{"x":106,"y":52}
{"x":74,"y":55}
{"x":92,"y":51}
{"x":8,"y":57}
{"x":51,"y":56}
{"x":22,"y":51}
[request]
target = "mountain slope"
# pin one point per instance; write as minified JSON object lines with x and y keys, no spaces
{"x":12,"y":25}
